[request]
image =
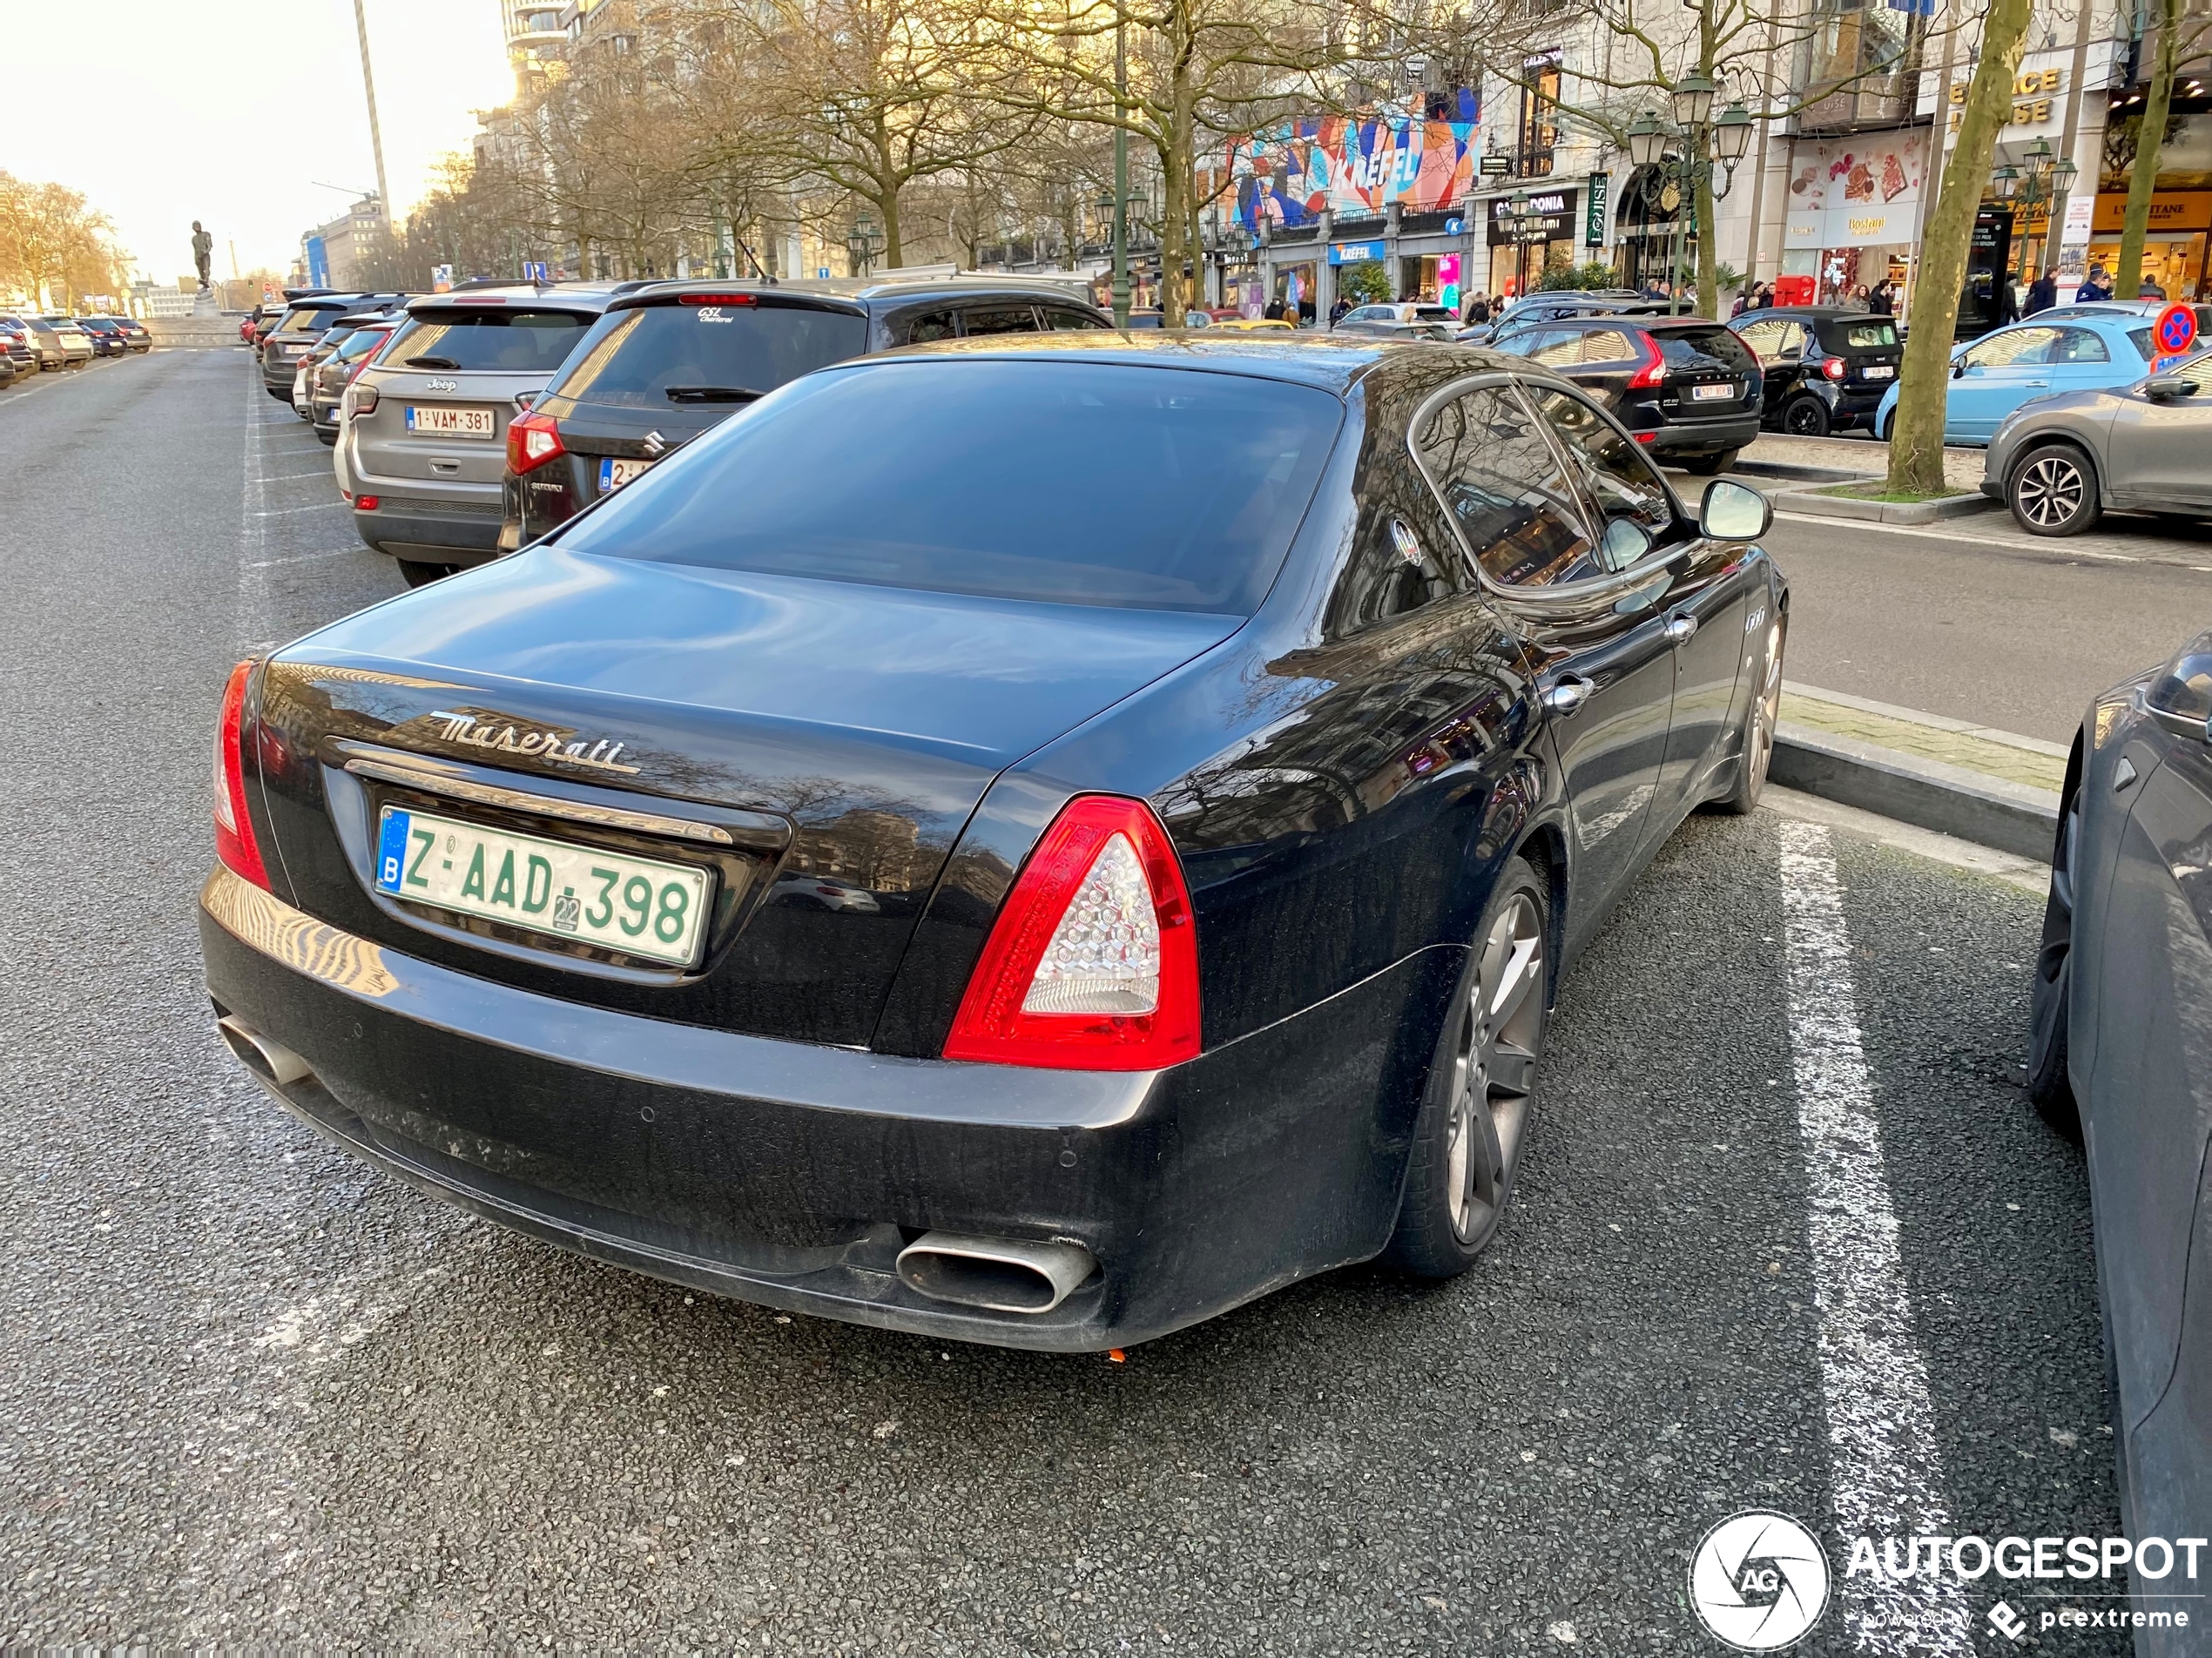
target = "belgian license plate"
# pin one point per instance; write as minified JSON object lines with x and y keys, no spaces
{"x":1879,"y":371}
{"x":637,"y":906}
{"x":451,"y":422}
{"x":614,"y":474}
{"x":1711,"y":394}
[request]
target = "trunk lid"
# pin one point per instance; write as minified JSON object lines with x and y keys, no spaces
{"x":837,"y":736}
{"x":1709,"y":370}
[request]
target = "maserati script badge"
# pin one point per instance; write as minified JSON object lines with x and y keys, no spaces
{"x":476,"y":732}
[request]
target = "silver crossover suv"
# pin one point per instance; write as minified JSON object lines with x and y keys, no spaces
{"x":425,"y":427}
{"x":2059,"y":462}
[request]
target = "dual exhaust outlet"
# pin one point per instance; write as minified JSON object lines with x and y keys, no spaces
{"x":990,"y":1274}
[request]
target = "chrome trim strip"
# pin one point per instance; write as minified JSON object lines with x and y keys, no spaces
{"x":546,"y":806}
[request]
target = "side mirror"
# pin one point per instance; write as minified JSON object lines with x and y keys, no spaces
{"x":1959,"y":368}
{"x":2166,"y":388}
{"x":2179,"y":699}
{"x":1732,"y":511}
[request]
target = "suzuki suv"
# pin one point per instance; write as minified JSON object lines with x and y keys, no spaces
{"x":425,"y":426}
{"x":672,"y":359}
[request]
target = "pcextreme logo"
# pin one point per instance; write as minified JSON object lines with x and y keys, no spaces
{"x":1760,"y":1581}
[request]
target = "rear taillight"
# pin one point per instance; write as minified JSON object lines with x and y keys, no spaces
{"x":1832,"y":366}
{"x":235,"y":843}
{"x":366,"y":503}
{"x":1652,"y":371}
{"x":1093,"y":964}
{"x":364,"y":399}
{"x":531,"y":441}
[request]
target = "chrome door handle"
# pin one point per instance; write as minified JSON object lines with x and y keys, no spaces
{"x":1680,"y":627}
{"x":1566,"y":694}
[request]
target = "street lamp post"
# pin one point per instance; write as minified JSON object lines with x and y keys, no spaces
{"x":862,"y":243}
{"x":1701,"y":142}
{"x":1121,"y":172}
{"x":2042,"y":179}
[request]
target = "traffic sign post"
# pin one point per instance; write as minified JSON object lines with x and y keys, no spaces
{"x":2173,"y":334}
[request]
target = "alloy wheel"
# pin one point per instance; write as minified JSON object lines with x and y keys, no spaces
{"x":2050,"y":491}
{"x":1494,"y":1068}
{"x":1764,"y":718}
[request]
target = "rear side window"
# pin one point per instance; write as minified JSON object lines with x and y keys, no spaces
{"x":1702,"y":348}
{"x":1607,"y":345}
{"x":661,"y":354}
{"x":498,"y":341}
{"x":954,"y":476}
{"x":360,"y":343}
{"x":1058,"y":318}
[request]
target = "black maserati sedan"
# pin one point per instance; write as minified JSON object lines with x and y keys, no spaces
{"x":2116,"y":1055}
{"x":1035,"y":841}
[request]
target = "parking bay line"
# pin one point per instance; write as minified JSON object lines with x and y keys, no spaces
{"x":1885,"y":1470}
{"x":2057,"y":548}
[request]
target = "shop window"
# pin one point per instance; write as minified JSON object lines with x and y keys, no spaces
{"x":1539,"y":117}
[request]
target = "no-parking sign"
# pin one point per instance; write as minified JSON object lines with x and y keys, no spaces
{"x":2174,"y":335}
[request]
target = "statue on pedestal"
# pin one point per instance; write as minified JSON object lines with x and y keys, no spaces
{"x":202,"y":252}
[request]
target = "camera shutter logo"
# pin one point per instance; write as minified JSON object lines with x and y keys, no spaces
{"x":1760,"y":1581}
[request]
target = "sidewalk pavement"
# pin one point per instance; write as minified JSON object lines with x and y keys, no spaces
{"x":1856,"y":456}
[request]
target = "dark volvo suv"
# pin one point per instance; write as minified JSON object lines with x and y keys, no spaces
{"x":668,"y":361}
{"x":1684,"y":386}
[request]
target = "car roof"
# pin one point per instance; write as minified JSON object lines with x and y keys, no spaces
{"x":869,"y":292}
{"x":1815,"y":313}
{"x":1328,"y":361}
{"x":556,"y":296}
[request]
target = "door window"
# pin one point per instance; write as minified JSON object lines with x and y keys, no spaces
{"x":1626,"y":490}
{"x":1057,"y":318}
{"x":2022,"y":346}
{"x":1764,"y":339}
{"x":1000,"y":319}
{"x":932,"y":325}
{"x":1485,"y":454}
{"x":2079,"y":345}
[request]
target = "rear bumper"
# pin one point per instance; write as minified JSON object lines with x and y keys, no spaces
{"x":1705,"y":437}
{"x":437,"y":532}
{"x":791,"y":1175}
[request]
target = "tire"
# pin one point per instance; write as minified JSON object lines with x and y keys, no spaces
{"x":419,"y":574}
{"x":1756,"y":750}
{"x":1882,"y":432}
{"x":1474,"y":1112}
{"x":1710,"y":466}
{"x":1805,"y":416}
{"x":2050,"y":997}
{"x":2053,"y":491}
{"x":328,"y":439}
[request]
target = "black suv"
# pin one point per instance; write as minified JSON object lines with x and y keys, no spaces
{"x":1825,"y":370}
{"x":302,"y":329}
{"x":671,"y":360}
{"x":1686,"y":388}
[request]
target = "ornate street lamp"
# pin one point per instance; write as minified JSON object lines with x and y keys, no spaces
{"x":862,"y":243}
{"x":2005,"y":182}
{"x":1732,"y":135}
{"x":1646,"y":140}
{"x":1693,"y":100}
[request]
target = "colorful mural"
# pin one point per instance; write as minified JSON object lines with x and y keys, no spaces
{"x":1351,"y":167}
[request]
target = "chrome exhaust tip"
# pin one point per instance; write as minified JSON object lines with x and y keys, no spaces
{"x":996,"y":1274}
{"x":270,"y":1061}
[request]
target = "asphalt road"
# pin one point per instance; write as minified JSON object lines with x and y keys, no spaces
{"x":251,"y":1392}
{"x":1976,"y":619}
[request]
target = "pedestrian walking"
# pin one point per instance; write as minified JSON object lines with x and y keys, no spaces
{"x":2042,"y":294}
{"x":1337,"y":311}
{"x":1477,"y":309}
{"x":2098,"y":287}
{"x":1881,"y":300}
{"x":2151,"y":290}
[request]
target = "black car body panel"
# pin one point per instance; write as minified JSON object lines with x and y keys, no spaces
{"x":602,"y":429}
{"x":1797,"y":346}
{"x":2139,"y":978}
{"x":1343,"y":772}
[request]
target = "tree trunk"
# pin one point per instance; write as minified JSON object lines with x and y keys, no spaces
{"x":1916,"y":440}
{"x":1177,"y":182}
{"x":894,"y":250}
{"x":1708,"y":254}
{"x":2150,"y":141}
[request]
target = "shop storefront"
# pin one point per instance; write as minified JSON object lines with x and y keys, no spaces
{"x":1522,"y":242}
{"x":1653,"y":209}
{"x":2174,"y":248}
{"x":1852,"y":208}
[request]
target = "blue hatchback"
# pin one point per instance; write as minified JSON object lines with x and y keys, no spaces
{"x":1993,"y":375}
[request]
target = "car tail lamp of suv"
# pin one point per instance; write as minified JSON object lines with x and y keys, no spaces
{"x":234,"y":844}
{"x":1093,"y":963}
{"x":1651,"y":373}
{"x":531,"y":441}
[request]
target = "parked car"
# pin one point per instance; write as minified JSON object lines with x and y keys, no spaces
{"x":1399,"y":320}
{"x":671,"y":359}
{"x":339,"y":368}
{"x":1549,"y":306}
{"x":2060,"y":462}
{"x":46,"y":347}
{"x":140,"y":338}
{"x":1064,"y":1082}
{"x":1824,"y":369}
{"x":2119,"y":998}
{"x":1685,"y":388}
{"x":18,"y":342}
{"x":7,"y":369}
{"x":108,"y":340}
{"x":426,"y":424}
{"x":77,"y":349}
{"x":300,"y":328}
{"x":1994,"y":375}
{"x":2145,"y":308}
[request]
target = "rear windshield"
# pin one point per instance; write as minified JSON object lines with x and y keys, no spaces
{"x":1061,"y":482}
{"x":359,"y":343}
{"x":1875,"y":333}
{"x":1702,"y":348}
{"x":503,"y":341}
{"x":661,"y":354}
{"x":311,"y":319}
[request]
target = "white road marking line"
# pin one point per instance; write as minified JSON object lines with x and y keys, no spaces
{"x":283,"y":512}
{"x":291,"y":477}
{"x":1886,"y":1471}
{"x":2056,"y":548}
{"x":309,"y":558}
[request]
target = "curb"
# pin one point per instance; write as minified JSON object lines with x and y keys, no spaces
{"x":1928,"y":794}
{"x":1796,"y":471}
{"x":1883,"y":512}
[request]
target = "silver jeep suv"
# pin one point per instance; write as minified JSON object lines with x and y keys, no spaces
{"x":425,"y":428}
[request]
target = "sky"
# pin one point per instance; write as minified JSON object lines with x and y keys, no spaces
{"x":234,"y":111}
